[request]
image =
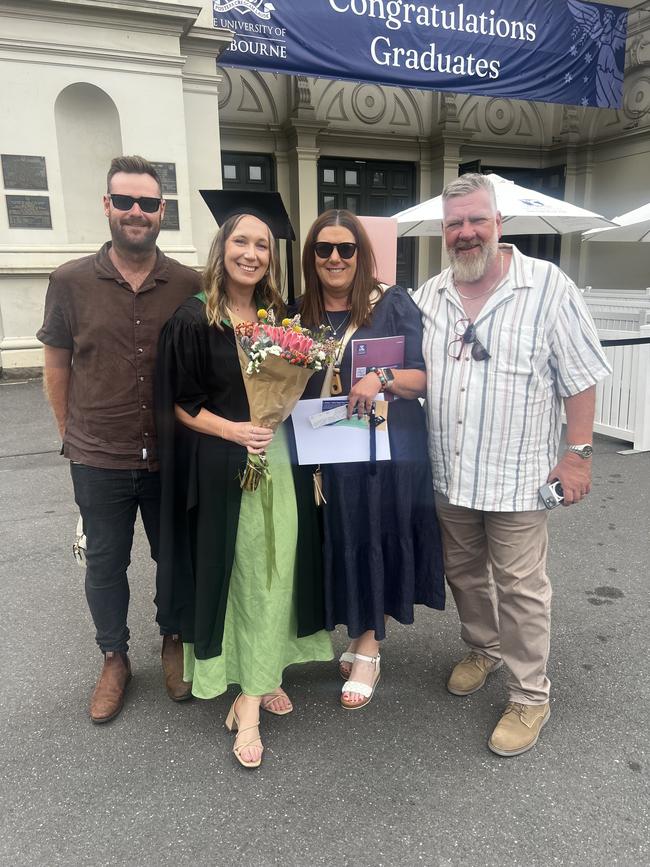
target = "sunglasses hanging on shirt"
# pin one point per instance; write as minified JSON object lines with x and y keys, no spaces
{"x":466,"y":332}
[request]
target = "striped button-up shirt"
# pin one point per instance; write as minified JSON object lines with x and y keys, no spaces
{"x":494,"y":425}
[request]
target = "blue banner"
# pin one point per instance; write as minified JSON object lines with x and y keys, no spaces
{"x":563,"y":51}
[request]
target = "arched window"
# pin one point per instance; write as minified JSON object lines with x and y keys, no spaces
{"x":88,"y":136}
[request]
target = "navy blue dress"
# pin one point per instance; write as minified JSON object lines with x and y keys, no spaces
{"x":382,"y":548}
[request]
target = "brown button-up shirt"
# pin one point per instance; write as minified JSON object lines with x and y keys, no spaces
{"x":112,"y":332}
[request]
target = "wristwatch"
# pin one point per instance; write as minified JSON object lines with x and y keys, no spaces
{"x":389,"y":376}
{"x":584,"y":451}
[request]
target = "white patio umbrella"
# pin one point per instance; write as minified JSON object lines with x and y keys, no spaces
{"x":634,"y":226}
{"x":524,"y":212}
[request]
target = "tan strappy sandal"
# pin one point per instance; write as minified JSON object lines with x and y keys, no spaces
{"x":268,"y":699}
{"x":232,"y":724}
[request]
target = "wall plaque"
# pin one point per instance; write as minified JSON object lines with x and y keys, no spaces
{"x":167,"y":172}
{"x":29,"y":212}
{"x":24,"y":172}
{"x":171,"y":221}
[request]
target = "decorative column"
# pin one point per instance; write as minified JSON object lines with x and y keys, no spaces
{"x":425,"y":192}
{"x":302,"y":131}
{"x":283,"y":185}
{"x":570,"y":249}
{"x":445,"y":159}
{"x":200,"y":97}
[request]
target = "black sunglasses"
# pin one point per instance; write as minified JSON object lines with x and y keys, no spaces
{"x":148,"y":204}
{"x":465,"y":336}
{"x":324,"y":249}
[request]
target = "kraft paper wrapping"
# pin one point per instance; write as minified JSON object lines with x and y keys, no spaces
{"x":273,"y":390}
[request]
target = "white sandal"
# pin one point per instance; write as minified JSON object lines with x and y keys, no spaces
{"x":361,"y":688}
{"x":348,"y":657}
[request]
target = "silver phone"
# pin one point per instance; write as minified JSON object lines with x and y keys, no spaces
{"x":551,"y":494}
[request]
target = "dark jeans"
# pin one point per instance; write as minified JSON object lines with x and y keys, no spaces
{"x":108,"y":501}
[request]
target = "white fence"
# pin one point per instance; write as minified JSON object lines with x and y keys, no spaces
{"x":623,"y":399}
{"x":618,"y":310}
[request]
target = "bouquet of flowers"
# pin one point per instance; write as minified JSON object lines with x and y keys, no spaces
{"x":276,"y":363}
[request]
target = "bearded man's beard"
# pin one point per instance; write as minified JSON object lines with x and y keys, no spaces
{"x":144,"y":243}
{"x":470,"y":268}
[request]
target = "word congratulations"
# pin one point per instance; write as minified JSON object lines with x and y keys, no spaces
{"x":396,"y":13}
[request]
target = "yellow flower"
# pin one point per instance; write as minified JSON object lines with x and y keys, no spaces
{"x":297,"y":329}
{"x":262,"y":313}
{"x":286,"y":323}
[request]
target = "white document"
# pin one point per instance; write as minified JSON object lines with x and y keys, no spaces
{"x":340,"y":443}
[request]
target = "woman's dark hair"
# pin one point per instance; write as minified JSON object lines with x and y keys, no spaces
{"x":312,"y":309}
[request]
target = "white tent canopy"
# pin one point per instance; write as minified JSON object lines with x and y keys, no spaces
{"x":523,"y":211}
{"x":634,"y":226}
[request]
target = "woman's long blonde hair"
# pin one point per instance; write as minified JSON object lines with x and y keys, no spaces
{"x":267,"y":291}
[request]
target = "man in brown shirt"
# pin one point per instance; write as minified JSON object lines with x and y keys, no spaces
{"x":103,"y":315}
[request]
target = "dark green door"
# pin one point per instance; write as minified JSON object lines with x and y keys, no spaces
{"x":373,"y":189}
{"x":247,"y":171}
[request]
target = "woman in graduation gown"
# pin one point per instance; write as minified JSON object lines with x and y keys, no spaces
{"x":212,"y":564}
{"x":382,"y":548}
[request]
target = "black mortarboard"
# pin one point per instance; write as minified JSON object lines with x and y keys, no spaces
{"x":266,"y":206}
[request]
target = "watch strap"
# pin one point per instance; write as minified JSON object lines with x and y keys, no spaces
{"x":584,"y":450}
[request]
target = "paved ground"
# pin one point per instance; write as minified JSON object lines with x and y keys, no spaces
{"x":407,"y":781}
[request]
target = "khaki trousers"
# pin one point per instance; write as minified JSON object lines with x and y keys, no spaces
{"x":496,"y":568}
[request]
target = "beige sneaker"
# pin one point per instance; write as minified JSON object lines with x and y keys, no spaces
{"x":471,"y":673}
{"x":519,"y":728}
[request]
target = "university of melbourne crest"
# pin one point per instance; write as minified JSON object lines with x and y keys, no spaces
{"x":260,"y":8}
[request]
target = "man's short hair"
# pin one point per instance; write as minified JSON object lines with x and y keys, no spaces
{"x":133,"y":165}
{"x":467,"y":184}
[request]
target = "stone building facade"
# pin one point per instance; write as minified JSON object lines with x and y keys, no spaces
{"x":86,"y":79}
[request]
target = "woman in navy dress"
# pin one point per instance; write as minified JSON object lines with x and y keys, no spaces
{"x":382,"y":548}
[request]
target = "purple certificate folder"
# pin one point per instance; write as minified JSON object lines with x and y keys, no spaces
{"x":377,"y":352}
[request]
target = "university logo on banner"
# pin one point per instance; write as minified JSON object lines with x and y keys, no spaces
{"x":564,"y":51}
{"x":254,"y":37}
{"x":260,"y":8}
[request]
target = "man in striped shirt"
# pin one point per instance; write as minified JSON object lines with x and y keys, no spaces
{"x":507,"y":341}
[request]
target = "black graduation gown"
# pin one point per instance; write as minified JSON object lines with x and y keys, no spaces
{"x":198,"y":367}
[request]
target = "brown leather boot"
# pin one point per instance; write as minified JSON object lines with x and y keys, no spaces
{"x":108,"y":697}
{"x":172,"y":663}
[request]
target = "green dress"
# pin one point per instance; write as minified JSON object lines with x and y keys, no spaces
{"x":212,"y":574}
{"x":260,"y":630}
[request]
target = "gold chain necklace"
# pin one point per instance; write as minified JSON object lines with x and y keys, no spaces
{"x":487,"y":291}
